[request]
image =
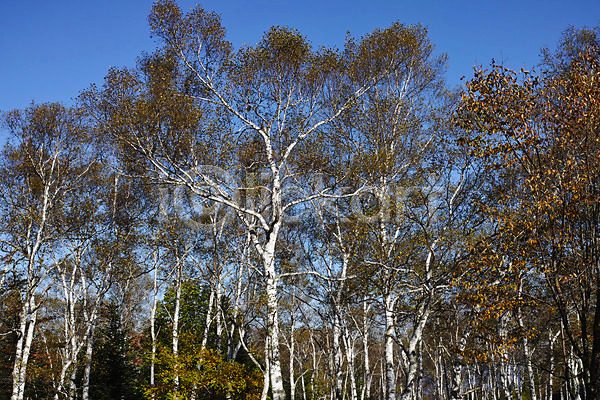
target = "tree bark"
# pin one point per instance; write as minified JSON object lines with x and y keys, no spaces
{"x":26,"y":333}
{"x":390,"y":332}
{"x":457,"y":366}
{"x":88,"y":364}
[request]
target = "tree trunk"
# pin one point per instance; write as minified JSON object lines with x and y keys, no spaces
{"x":337,"y":354}
{"x":266,"y":378}
{"x":390,"y":326}
{"x":413,"y":350}
{"x":175,"y":331}
{"x":26,"y":330}
{"x":457,"y":366}
{"x":504,"y":373}
{"x":268,"y":256}
{"x":350,"y":356}
{"x":88,"y":364}
{"x":292,"y":355}
{"x":366,"y":390}
{"x":153,"y":308}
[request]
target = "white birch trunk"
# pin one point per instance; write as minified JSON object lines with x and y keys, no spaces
{"x":267,"y":373}
{"x":88,"y":364}
{"x":350,"y":357}
{"x":390,"y":332}
{"x":292,"y":349}
{"x":528,"y":363}
{"x":70,"y":351}
{"x":153,"y":307}
{"x":26,"y":330}
{"x":457,"y":366}
{"x":367,"y":379}
{"x":337,"y":354}
{"x":504,"y":378}
{"x":314,"y":365}
{"x":219,"y":317}
{"x":413,"y":349}
{"x":208,"y":318}
{"x":552,"y":340}
{"x":276,"y":378}
{"x":175,"y":330}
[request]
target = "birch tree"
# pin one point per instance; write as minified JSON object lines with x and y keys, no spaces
{"x":258,"y":110}
{"x":47,"y":159}
{"x":412,"y":210}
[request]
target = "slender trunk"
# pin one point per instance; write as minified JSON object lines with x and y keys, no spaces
{"x":526,"y":350}
{"x":49,"y":357}
{"x":337,"y":354}
{"x":440,"y":370}
{"x":350,"y":356}
{"x":390,"y":373}
{"x":493,"y":378}
{"x":69,"y":352}
{"x":366,"y":390}
{"x":314,"y":365}
{"x":72,"y":383}
{"x":208,"y":318}
{"x":153,"y":308}
{"x":233,"y":349}
{"x":552,"y":340}
{"x":266,"y":380}
{"x":26,"y":331}
{"x":175,"y":331}
{"x":268,"y":256}
{"x":576,"y":388}
{"x":457,"y":366}
{"x":303,"y":387}
{"x":292,"y":355}
{"x":504,"y":378}
{"x":419,"y":381}
{"x":219,"y":320}
{"x":383,"y":381}
{"x":529,"y":364}
{"x":88,"y":364}
{"x":75,"y":348}
{"x":88,"y":339}
{"x":413,"y":349}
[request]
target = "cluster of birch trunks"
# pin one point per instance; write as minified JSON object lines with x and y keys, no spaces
{"x":320,"y":201}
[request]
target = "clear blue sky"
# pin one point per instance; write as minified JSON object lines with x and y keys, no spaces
{"x":52,"y":49}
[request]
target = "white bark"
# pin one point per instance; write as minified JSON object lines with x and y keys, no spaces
{"x":504,"y":373}
{"x":29,"y":309}
{"x":88,"y":364}
{"x":552,"y":340}
{"x":292,"y":348}
{"x":314,"y":364}
{"x":153,"y":337}
{"x":26,"y":332}
{"x":350,"y":357}
{"x":457,"y":366}
{"x":71,"y":296}
{"x":175,"y":329}
{"x":411,"y":352}
{"x":390,"y":334}
{"x":208,"y":318}
{"x":337,"y":355}
{"x":367,"y":378}
{"x":526,"y":351}
{"x":267,"y":372}
{"x":276,"y":377}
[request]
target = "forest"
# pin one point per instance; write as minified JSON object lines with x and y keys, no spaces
{"x":289,"y":222}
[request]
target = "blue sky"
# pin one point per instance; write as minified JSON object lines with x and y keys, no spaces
{"x":51,"y":50}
